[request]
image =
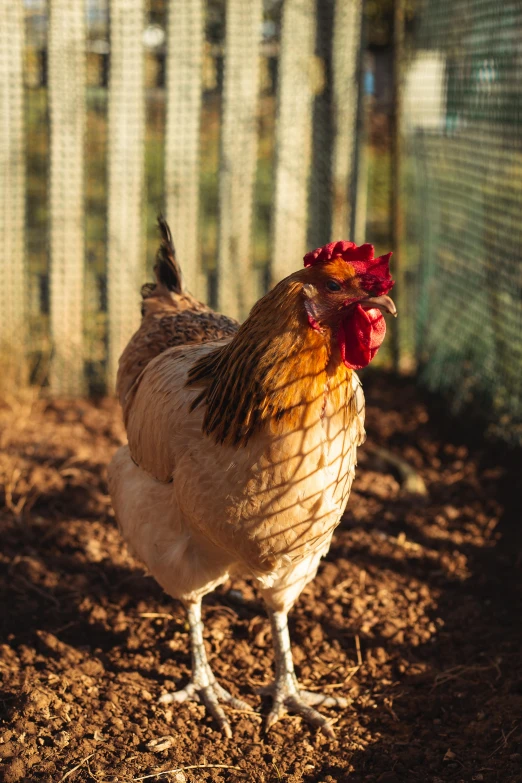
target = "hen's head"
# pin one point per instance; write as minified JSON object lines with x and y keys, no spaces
{"x":345,"y":290}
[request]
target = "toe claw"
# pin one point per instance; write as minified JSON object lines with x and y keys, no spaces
{"x":227,"y":731}
{"x":210,"y":700}
{"x":327,"y":730}
{"x":275,"y":714}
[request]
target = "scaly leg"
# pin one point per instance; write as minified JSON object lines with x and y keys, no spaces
{"x":287,"y":695}
{"x":203,"y":686}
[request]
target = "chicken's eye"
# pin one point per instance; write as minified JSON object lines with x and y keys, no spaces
{"x":333,"y":285}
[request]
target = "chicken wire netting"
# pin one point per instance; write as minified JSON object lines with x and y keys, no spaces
{"x":463,"y":199}
{"x":235,"y":118}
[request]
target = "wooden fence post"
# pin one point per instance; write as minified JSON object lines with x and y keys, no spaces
{"x":126,"y":175}
{"x":12,"y":190}
{"x":345,"y":62}
{"x":185,"y":41}
{"x":67,"y":116}
{"x":397,"y":152}
{"x":238,"y":156}
{"x":293,"y":137}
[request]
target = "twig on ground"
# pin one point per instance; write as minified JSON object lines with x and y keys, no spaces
{"x":351,"y":673}
{"x":503,"y":742}
{"x":457,"y":672}
{"x":82,"y":762}
{"x":184,"y":769}
{"x":91,"y":773}
{"x":358,"y":650}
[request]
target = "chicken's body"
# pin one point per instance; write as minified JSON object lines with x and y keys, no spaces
{"x":262,"y":509}
{"x":239,"y":462}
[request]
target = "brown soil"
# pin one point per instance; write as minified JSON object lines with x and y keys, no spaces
{"x":415,"y":613}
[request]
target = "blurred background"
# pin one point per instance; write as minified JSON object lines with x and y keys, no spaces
{"x":262,"y":129}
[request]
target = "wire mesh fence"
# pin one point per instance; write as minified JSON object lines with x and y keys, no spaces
{"x":463,"y":199}
{"x":234,"y":118}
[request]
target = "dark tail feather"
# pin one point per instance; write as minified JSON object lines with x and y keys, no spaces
{"x":167,"y":269}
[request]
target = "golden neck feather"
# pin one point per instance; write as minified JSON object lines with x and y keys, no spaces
{"x":273,"y":373}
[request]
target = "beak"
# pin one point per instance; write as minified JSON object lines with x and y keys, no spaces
{"x":383,"y":303}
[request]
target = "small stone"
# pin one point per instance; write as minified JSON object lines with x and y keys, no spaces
{"x":160,"y":743}
{"x":62,"y":739}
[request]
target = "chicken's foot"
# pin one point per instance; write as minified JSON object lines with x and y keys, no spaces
{"x":203,"y":685}
{"x":287,"y":695}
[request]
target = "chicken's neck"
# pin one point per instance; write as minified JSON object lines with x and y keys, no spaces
{"x":276,"y":372}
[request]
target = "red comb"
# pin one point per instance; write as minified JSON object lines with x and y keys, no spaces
{"x":374,"y":273}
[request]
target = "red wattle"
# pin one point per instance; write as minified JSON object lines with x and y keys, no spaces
{"x":360,"y":336}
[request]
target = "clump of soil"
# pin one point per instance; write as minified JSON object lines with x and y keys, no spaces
{"x":414,"y":617}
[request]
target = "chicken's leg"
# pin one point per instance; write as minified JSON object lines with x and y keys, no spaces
{"x":285,"y":689}
{"x":203,"y":686}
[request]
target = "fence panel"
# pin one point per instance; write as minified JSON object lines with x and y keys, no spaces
{"x":126,"y":175}
{"x":185,"y":37}
{"x":345,"y":61}
{"x":238,"y":156}
{"x":67,"y":117}
{"x":293,"y":136}
{"x":12,"y":182}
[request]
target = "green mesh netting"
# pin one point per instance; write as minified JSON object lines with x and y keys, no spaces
{"x":463,"y":190}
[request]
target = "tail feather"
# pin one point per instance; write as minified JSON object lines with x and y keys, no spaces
{"x":167,"y":269}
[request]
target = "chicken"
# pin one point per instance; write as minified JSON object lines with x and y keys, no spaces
{"x":242,"y":444}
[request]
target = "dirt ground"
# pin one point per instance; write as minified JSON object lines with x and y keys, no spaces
{"x":414,"y":617}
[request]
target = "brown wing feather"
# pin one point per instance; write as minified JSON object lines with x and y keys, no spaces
{"x":163,"y":330}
